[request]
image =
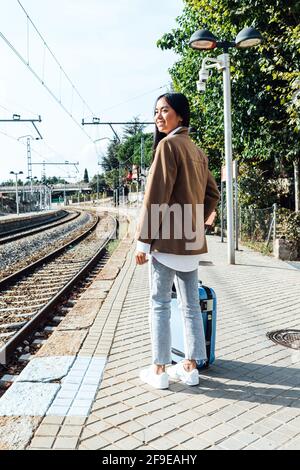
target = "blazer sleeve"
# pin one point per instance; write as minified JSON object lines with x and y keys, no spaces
{"x":161,"y":180}
{"x":212,"y":196}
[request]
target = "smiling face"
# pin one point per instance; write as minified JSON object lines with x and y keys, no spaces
{"x":166,"y":119}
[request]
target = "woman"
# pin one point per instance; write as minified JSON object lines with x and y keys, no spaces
{"x":180,"y":195}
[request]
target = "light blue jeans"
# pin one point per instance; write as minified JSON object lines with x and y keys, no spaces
{"x":161,"y":279}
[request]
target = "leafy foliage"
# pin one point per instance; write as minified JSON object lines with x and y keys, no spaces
{"x":120,"y":156}
{"x":288,"y":225}
{"x":102,"y":184}
{"x":265,"y":82}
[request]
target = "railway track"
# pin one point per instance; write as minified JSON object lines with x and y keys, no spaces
{"x":16,"y":234}
{"x":29,"y":295}
{"x":21,"y":253}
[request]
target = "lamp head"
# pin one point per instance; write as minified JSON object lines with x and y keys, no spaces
{"x":203,"y":40}
{"x":248,"y":37}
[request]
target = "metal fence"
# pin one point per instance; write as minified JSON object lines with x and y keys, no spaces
{"x":258,"y":225}
{"x":252,"y":225}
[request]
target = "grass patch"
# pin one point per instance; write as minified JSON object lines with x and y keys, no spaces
{"x":112,"y":246}
{"x":259,"y":246}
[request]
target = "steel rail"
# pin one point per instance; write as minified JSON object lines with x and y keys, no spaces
{"x":41,"y":227}
{"x":36,"y":223}
{"x":24,"y":271}
{"x":8,"y":349}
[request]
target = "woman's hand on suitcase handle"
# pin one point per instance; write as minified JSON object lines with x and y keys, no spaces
{"x":140,"y":258}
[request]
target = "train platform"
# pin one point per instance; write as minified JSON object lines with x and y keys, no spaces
{"x":25,"y":215}
{"x":248,"y":399}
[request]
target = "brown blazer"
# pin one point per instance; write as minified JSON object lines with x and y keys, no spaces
{"x":179,"y":188}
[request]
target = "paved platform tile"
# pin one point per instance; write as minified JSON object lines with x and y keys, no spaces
{"x":28,"y":399}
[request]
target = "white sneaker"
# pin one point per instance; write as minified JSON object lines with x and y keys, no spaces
{"x":160,"y":381}
{"x":178,"y":372}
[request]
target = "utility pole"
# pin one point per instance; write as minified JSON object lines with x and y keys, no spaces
{"x":44,"y":172}
{"x":297,"y":186}
{"x":96,"y":122}
{"x":98,"y":162}
{"x":43,"y":190}
{"x":223,"y":181}
{"x":41,"y":197}
{"x":142,"y":164}
{"x":29,"y":162}
{"x":44,"y":183}
{"x":236,"y":203}
{"x":17,"y":118}
{"x":17,"y":194}
{"x":29,"y":166}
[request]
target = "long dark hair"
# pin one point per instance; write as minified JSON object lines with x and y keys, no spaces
{"x":180,"y":104}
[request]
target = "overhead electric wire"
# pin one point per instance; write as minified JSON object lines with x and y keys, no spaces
{"x":43,"y":83}
{"x":41,"y":80}
{"x":36,"y":152}
{"x":54,"y":57}
{"x":6,"y":109}
{"x":74,"y":89}
{"x":134,"y":98}
{"x":19,"y":106}
{"x":10,"y":136}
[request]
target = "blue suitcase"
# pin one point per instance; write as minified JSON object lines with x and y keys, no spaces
{"x":208,"y":305}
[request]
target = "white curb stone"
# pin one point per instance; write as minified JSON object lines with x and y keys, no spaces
{"x":28,"y":399}
{"x":46,"y":369}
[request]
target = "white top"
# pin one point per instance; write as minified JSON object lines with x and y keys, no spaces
{"x":184,"y":263}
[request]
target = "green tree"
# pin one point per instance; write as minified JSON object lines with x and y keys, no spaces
{"x":265,"y":125}
{"x":120,"y":156}
{"x":135,"y":127}
{"x":110,"y":164}
{"x":86,"y":176}
{"x":9,"y":182}
{"x":56,"y":180}
{"x":103,"y":186}
{"x":129,"y":152}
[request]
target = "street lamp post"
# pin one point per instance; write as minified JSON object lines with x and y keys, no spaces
{"x":29,"y":163}
{"x":17,"y":195}
{"x":205,"y":40}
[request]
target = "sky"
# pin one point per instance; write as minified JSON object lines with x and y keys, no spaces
{"x":114,"y":72}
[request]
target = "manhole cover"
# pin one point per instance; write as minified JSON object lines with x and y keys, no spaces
{"x":287,"y":338}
